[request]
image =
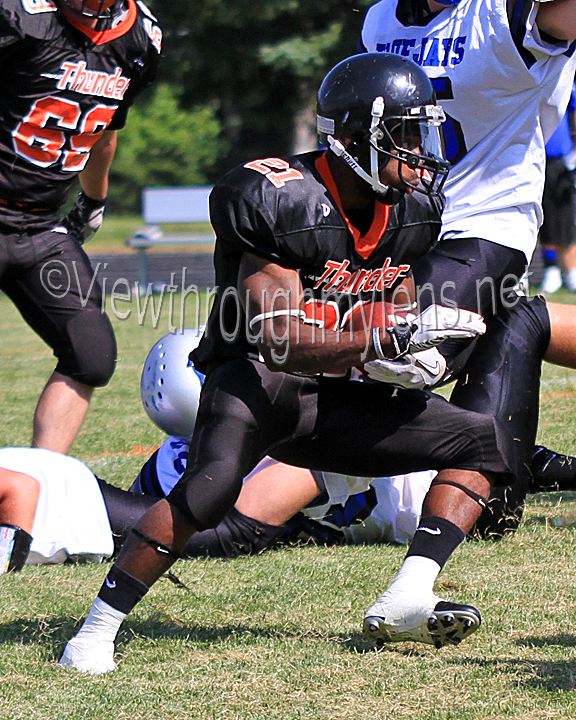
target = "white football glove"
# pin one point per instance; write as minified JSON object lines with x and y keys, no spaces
{"x":412,"y":372}
{"x":438,"y":323}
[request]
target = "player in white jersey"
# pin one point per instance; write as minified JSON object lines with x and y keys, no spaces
{"x":332,"y":508}
{"x":504,"y":86}
{"x":51,"y":510}
{"x":503,"y":71}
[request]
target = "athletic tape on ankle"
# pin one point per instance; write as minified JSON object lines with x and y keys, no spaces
{"x":436,"y":538}
{"x":121,"y":590}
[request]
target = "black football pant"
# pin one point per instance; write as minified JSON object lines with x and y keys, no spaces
{"x":502,"y":379}
{"x":48,"y":276}
{"x":356,"y":428}
{"x":477,"y":275}
{"x":468,"y":273}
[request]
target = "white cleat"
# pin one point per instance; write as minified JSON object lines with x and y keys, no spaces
{"x":552,"y":280}
{"x":434,"y":622}
{"x":89,"y":655}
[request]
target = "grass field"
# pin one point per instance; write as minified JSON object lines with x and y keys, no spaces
{"x":277,"y":637}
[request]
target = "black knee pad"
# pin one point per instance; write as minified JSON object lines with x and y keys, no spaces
{"x":236,"y":535}
{"x":88,"y":352}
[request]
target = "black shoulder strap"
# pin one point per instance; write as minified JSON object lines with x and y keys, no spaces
{"x":518,"y":12}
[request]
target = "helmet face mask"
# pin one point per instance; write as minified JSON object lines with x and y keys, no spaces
{"x":416,"y":141}
{"x":96,"y":9}
{"x":375,"y":107}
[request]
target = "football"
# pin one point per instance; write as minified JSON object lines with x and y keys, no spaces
{"x":365,"y":315}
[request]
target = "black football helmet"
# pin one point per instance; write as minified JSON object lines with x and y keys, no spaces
{"x":376,"y":106}
{"x":91,"y":8}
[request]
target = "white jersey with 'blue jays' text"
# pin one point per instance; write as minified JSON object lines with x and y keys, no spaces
{"x":504,"y":88}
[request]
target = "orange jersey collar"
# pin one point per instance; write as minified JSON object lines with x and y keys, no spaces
{"x":101,"y":37}
{"x":364,"y":244}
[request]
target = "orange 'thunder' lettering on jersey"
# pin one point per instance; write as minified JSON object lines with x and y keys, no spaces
{"x":93,"y":82}
{"x":337,"y":278}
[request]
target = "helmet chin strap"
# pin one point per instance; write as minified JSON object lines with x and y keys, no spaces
{"x":339,"y":150}
{"x":376,"y":134}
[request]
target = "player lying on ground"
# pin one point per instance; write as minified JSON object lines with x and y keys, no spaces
{"x":53,"y":509}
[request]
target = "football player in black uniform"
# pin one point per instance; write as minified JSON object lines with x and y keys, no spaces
{"x":295,"y":237}
{"x":71,"y":69}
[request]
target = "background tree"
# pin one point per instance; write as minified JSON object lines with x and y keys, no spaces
{"x":258,"y":64}
{"x":238,"y":80}
{"x":163,"y":144}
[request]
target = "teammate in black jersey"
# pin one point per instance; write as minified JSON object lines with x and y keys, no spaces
{"x":70,"y":71}
{"x":336,"y":226}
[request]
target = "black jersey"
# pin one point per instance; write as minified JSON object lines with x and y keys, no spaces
{"x":287,"y":211}
{"x":61,"y":85}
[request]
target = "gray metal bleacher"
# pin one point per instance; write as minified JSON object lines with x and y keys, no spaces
{"x":169,"y":205}
{"x":189,"y":204}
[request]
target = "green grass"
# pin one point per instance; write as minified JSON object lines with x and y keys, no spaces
{"x":277,"y":637}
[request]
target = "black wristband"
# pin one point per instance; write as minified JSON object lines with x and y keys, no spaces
{"x":401,"y":335}
{"x":89,"y":203}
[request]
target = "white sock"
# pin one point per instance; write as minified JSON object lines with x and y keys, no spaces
{"x":410,"y":598}
{"x":103,"y":621}
{"x":416,"y":575}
